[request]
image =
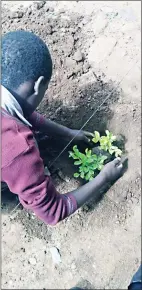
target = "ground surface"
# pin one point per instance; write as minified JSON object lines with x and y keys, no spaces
{"x":100,"y":243}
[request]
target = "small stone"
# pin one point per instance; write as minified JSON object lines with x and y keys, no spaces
{"x":16,"y":14}
{"x":23,"y":250}
{"x":72,"y":30}
{"x":32,"y":217}
{"x":40,"y":4}
{"x":20,"y":14}
{"x":78,"y":56}
{"x":63,"y":30}
{"x":32,"y":261}
{"x":73,"y":266}
{"x":70,"y":62}
{"x":51,"y":9}
{"x":29,"y":11}
{"x":10,"y":282}
{"x":86,"y":67}
{"x":85,"y":21}
{"x":46,"y":171}
{"x":86,"y":208}
{"x":80,"y":25}
{"x":134,"y":200}
{"x":49,"y":30}
{"x":62,"y":11}
{"x":55,"y":255}
{"x":136,"y":261}
{"x":63,"y":177}
{"x":28,"y":216}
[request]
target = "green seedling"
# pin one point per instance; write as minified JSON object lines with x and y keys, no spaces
{"x":88,"y":163}
{"x":96,"y":137}
{"x":106,"y":143}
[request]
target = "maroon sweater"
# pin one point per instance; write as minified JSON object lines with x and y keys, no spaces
{"x":23,"y":171}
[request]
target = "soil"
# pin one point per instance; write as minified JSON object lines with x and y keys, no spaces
{"x":95,"y":48}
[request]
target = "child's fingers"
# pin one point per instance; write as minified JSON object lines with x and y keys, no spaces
{"x":117,"y":161}
{"x":88,"y":134}
{"x":86,"y":140}
{"x":124,"y":159}
{"x":120,"y":166}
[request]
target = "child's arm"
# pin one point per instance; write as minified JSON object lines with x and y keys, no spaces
{"x":110,"y":173}
{"x":23,"y":171}
{"x":53,"y":129}
{"x":25,"y":177}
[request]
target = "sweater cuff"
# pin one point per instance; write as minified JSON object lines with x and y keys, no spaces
{"x":72,"y":203}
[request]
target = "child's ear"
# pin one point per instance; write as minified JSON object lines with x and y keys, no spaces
{"x":38,"y":85}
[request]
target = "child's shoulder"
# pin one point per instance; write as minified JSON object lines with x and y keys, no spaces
{"x":15,"y":138}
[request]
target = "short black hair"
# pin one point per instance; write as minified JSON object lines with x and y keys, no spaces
{"x":24,"y":57}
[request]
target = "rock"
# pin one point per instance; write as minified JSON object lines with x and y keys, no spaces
{"x":28,"y":215}
{"x":10,"y":282}
{"x":135,"y":200}
{"x":63,"y":30}
{"x":86,"y":208}
{"x":76,"y":37}
{"x":16,"y":14}
{"x":80,"y":25}
{"x":63,"y":177}
{"x":86,"y":67}
{"x":46,"y":171}
{"x":32,"y":261}
{"x":72,"y":30}
{"x":71,"y":63}
{"x":85,"y":21}
{"x":78,"y":69}
{"x":20,"y":14}
{"x":51,"y":9}
{"x":29,"y":11}
{"x":78,"y":56}
{"x":73,"y":266}
{"x":33,"y":216}
{"x":68,"y":45}
{"x":40,"y":4}
{"x":70,"y":66}
{"x":49,"y":30}
{"x":23,"y":250}
{"x":61,"y":11}
{"x":55,"y":255}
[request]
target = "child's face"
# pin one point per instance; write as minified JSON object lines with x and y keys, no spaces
{"x":32,"y":100}
{"x":40,"y":89}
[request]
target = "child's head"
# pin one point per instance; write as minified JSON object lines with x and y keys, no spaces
{"x":26,"y":66}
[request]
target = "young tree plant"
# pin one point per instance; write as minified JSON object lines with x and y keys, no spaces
{"x":88,"y":163}
{"x":106,"y":143}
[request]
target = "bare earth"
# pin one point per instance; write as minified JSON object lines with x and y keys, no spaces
{"x":100,"y":244}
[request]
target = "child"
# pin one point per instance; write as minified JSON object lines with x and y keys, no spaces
{"x":26,"y":73}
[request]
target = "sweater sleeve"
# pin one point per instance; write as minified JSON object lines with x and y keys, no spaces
{"x":25,"y":177}
{"x":36,"y":120}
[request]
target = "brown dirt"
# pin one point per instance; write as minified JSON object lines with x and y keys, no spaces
{"x":92,"y":48}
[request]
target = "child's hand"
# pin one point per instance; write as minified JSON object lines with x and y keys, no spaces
{"x":81,"y":136}
{"x":113,"y":170}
